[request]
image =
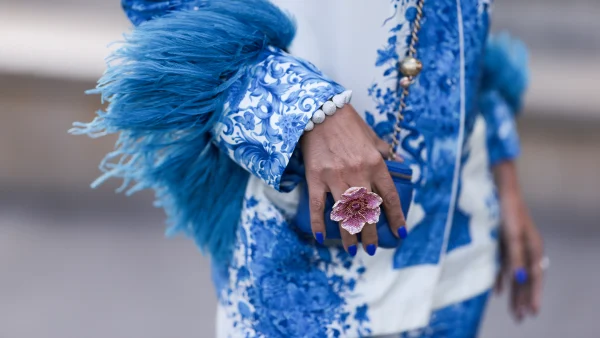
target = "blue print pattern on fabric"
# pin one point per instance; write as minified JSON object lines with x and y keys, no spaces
{"x":502,"y":137}
{"x":279,"y":283}
{"x":431,"y":124}
{"x":432,"y":116}
{"x":475,"y":23}
{"x":285,"y":286}
{"x":261,"y":133}
{"x":385,"y":97}
{"x":459,"y":232}
{"x":455,"y":321}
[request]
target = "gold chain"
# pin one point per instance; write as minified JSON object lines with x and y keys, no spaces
{"x":408,"y":78}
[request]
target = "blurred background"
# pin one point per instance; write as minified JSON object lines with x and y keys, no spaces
{"x":80,"y":263}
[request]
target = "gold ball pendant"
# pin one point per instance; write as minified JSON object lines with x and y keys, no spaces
{"x":411,"y":66}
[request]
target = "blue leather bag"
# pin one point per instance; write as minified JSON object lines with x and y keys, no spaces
{"x":401,"y":174}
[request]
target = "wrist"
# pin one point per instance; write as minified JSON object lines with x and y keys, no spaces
{"x":507,"y":180}
{"x":329,"y":109}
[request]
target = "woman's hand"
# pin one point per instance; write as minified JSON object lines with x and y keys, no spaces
{"x":521,"y":246}
{"x":341,"y":153}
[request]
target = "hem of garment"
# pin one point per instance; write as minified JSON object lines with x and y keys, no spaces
{"x":476,"y":274}
{"x":407,"y":292}
{"x":412,"y":287}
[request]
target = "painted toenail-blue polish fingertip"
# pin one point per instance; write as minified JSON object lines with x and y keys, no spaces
{"x":402,"y":232}
{"x":352,"y":250}
{"x":371,"y":248}
{"x":521,"y":276}
{"x":319,"y":237}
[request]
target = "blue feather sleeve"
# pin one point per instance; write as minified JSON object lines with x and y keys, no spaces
{"x":176,"y":79}
{"x":504,"y":82}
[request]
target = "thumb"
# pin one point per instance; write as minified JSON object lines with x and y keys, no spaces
{"x":381,"y":146}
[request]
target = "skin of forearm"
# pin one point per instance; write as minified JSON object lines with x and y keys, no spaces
{"x":507,"y":181}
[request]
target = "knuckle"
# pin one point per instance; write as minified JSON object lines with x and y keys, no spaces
{"x":317,"y":225}
{"x":383,"y":176}
{"x":369,"y":239}
{"x":536,"y":250}
{"x":537,"y":244}
{"x":391,"y":199}
{"x":316,"y":204}
{"x":515,"y":238}
{"x":370,"y":231}
{"x":316,"y":169}
{"x":355,"y":165}
{"x":374,"y":160}
{"x":334,"y":167}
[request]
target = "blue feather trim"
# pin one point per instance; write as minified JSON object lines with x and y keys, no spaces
{"x":166,"y":86}
{"x":506,"y":69}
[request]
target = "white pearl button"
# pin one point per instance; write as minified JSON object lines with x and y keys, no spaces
{"x":329,"y":108}
{"x":347,"y":96}
{"x":318,"y":117}
{"x":309,"y":126}
{"x":339,"y":100}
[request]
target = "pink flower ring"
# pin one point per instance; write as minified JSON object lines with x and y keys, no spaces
{"x":356,"y":208}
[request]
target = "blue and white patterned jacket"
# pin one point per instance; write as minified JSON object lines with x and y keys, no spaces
{"x":458,"y":123}
{"x":279,"y":284}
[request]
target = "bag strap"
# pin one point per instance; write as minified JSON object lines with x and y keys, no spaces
{"x":410,"y":67}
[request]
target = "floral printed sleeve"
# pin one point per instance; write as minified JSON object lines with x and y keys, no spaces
{"x":502,"y":136}
{"x":261,"y":127}
{"x":505,"y":79}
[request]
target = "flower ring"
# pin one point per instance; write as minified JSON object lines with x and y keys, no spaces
{"x":356,"y":208}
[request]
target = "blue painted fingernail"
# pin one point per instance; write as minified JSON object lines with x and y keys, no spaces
{"x":319,"y":237}
{"x":352,"y":250}
{"x":521,"y":276}
{"x":371,"y":248}
{"x":402,"y":232}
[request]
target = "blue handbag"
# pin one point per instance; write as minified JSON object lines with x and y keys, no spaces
{"x":401,"y":175}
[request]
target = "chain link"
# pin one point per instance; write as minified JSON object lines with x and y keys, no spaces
{"x":412,"y":51}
